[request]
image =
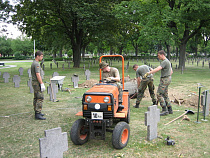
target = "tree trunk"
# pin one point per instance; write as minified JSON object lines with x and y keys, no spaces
{"x":60,"y":53}
{"x":76,"y":55}
{"x":111,"y":50}
{"x":182,"y":49}
{"x":168,"y":50}
{"x":120,"y":50}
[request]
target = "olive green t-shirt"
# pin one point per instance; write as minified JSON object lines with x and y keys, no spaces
{"x":142,"y":70}
{"x":36,"y":68}
{"x":112,"y":73}
{"x":166,"y":68}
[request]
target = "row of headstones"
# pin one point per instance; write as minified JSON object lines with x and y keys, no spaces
{"x":55,"y":142}
{"x":17,"y":79}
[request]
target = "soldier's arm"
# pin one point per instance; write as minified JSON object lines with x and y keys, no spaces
{"x":39,"y":78}
{"x":155,"y":70}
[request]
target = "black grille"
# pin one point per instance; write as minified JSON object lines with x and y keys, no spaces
{"x":106,"y":114}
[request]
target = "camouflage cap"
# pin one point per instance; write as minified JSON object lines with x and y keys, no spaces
{"x":103,"y":65}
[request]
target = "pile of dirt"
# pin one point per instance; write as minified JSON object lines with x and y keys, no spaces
{"x":89,"y":83}
{"x":185,"y":98}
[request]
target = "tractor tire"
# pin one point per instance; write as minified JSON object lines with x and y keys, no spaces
{"x":77,"y":133}
{"x":120,"y":135}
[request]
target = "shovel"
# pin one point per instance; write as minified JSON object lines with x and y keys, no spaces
{"x":187,"y":112}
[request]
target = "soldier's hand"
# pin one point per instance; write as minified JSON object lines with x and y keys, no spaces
{"x":109,"y":78}
{"x":42,"y":87}
{"x":145,"y":76}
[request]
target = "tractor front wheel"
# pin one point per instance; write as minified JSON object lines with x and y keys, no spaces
{"x":79,"y":133}
{"x":120,"y":135}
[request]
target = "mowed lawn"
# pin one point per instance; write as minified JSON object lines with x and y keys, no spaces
{"x":20,"y":132}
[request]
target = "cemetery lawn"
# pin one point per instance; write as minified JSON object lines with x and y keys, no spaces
{"x":20,"y":132}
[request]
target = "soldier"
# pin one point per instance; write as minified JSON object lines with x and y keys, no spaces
{"x":112,"y":74}
{"x":142,"y":83}
{"x":165,"y":80}
{"x":38,"y":85}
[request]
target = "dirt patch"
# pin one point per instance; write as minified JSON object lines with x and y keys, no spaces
{"x":186,"y":98}
{"x":89,"y":83}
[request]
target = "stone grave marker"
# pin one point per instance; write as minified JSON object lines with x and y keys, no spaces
{"x":152,"y":117}
{"x":20,"y":71}
{"x":68,"y":64}
{"x":63,"y":66}
{"x":57,"y":64}
{"x":87,"y":74}
{"x":52,"y":89}
{"x":29,"y":72}
{"x":0,"y":73}
{"x":30,"y":85}
{"x":6,"y":77}
{"x":205,"y":99}
{"x":55,"y":74}
{"x":50,"y":65}
{"x":75,"y":80}
{"x":16,"y":80}
{"x":84,"y":66}
{"x":53,"y":144}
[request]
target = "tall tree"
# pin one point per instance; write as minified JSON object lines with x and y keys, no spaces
{"x":74,"y":19}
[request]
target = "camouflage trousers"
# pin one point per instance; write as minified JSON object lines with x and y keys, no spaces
{"x":38,"y":97}
{"x":142,"y":87}
{"x":162,"y":92}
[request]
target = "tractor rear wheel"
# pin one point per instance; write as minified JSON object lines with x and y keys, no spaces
{"x":120,"y":135}
{"x":79,"y":134}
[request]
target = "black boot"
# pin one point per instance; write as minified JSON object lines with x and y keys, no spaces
{"x":154,"y":103}
{"x":170,"y":110}
{"x":164,"y":111}
{"x":41,"y":114}
{"x":136,"y":106}
{"x":38,"y":116}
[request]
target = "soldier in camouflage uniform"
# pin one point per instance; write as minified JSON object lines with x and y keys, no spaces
{"x":38,"y":85}
{"x":142,"y":83}
{"x":165,"y":80}
{"x":111,"y":74}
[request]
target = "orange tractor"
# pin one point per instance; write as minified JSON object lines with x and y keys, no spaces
{"x":103,"y":113}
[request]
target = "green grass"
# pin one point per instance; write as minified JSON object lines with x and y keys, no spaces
{"x":20,"y":133}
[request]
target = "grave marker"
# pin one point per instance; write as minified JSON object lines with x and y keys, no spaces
{"x":75,"y":80}
{"x":205,"y":102}
{"x":52,"y":89}
{"x":87,"y":74}
{"x":152,"y":117}
{"x":16,"y":80}
{"x":53,"y":144}
{"x":30,"y":85}
{"x":6,"y":77}
{"x":29,"y":72}
{"x":20,"y":71}
{"x":55,"y":74}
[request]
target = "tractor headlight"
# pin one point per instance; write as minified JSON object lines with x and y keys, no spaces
{"x":106,"y":99}
{"x":88,"y":99}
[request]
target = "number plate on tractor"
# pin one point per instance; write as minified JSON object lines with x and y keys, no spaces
{"x":97,"y":115}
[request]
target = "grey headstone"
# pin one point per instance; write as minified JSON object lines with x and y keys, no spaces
{"x":55,"y":74}
{"x":131,"y":86}
{"x":152,"y":117}
{"x":30,"y":85}
{"x":0,"y":73}
{"x":205,"y":100}
{"x":87,"y":74}
{"x":16,"y":80}
{"x":52,"y":89}
{"x":84,"y":66}
{"x":29,"y":72}
{"x":63,"y":66}
{"x":75,"y":80}
{"x":20,"y":71}
{"x":6,"y":77}
{"x":53,"y":144}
